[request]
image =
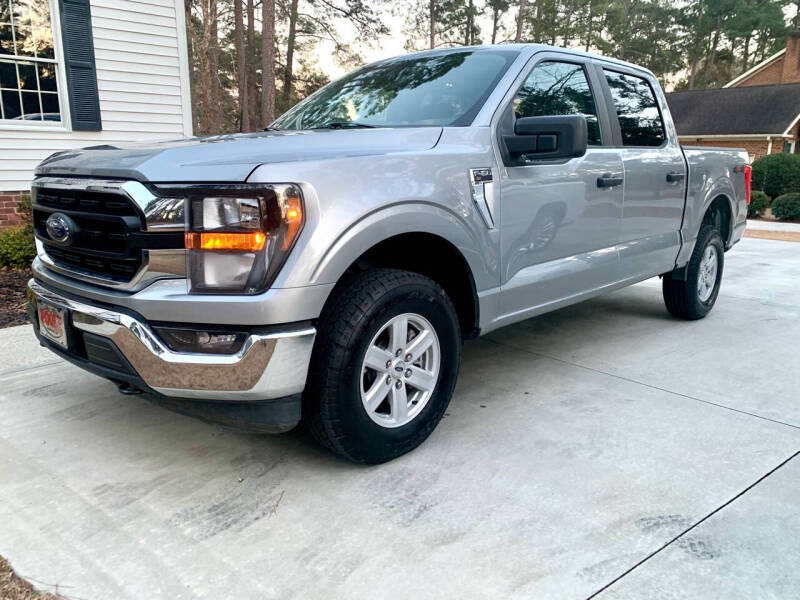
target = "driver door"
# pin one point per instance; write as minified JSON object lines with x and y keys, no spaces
{"x":560,"y":219}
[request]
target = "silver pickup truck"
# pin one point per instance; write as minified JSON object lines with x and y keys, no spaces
{"x":329,"y":267}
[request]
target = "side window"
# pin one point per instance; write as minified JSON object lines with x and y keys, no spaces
{"x":558,"y":88}
{"x":637,"y":109}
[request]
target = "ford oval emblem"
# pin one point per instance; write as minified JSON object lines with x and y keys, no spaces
{"x":60,"y":228}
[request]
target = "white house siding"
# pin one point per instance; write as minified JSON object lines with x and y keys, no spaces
{"x":143,"y":83}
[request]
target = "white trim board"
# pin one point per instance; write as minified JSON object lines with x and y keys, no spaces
{"x":742,"y":136}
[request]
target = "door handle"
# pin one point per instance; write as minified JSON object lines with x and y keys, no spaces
{"x":675,"y":176}
{"x":607,"y":181}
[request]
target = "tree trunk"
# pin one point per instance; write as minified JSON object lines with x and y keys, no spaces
{"x":692,"y":73}
{"x":238,"y":19}
{"x":712,"y":55}
{"x":214,"y":124}
{"x":746,"y":53}
{"x":267,"y":62}
{"x":520,"y":20}
{"x":495,"y":20}
{"x":287,"y":74}
{"x":468,"y":33}
{"x":432,"y":23}
{"x":252,"y":91}
{"x":589,"y":23}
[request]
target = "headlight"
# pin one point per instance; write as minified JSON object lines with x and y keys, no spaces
{"x":238,"y":236}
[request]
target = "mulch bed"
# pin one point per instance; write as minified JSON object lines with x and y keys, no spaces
{"x":12,"y":296}
{"x":782,"y":236}
{"x":13,"y":587}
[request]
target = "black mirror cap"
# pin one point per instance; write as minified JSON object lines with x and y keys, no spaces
{"x":562,"y":136}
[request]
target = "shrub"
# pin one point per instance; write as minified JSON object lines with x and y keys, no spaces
{"x":777,"y":174}
{"x":787,"y":207}
{"x":759,"y":203}
{"x":16,"y":247}
{"x":25,"y":208}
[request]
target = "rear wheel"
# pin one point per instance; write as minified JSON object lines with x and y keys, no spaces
{"x":384,"y":365}
{"x":694,"y":296}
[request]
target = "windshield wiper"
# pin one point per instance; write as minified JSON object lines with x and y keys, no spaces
{"x":346,"y":125}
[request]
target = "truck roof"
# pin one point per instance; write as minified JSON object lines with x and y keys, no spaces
{"x":528,"y":49}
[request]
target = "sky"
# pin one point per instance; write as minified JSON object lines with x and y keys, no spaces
{"x":389,"y":46}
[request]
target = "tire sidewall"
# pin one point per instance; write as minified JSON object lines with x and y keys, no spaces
{"x":708,"y":237}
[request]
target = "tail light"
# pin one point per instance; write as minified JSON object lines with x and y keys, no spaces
{"x":748,"y":182}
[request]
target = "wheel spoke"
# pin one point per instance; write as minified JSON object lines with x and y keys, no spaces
{"x":376,"y":394}
{"x":420,"y":344}
{"x":399,"y":332}
{"x":377,"y":358}
{"x":421,"y":379}
{"x":399,"y":402}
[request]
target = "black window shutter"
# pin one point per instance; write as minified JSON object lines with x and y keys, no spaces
{"x":76,"y":39}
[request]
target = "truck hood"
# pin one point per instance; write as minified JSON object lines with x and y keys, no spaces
{"x":231,"y":158}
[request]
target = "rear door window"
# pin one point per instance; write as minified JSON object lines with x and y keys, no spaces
{"x":635,"y":102}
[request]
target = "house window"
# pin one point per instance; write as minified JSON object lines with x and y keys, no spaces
{"x":28,"y":69}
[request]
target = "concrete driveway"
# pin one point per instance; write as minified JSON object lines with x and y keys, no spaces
{"x":603,"y":448}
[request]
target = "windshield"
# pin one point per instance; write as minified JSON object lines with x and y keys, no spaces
{"x":446,"y":89}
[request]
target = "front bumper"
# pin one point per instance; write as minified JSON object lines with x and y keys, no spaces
{"x":123,"y":347}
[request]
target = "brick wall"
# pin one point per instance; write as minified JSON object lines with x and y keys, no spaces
{"x":755,"y":148}
{"x":9,"y":213}
{"x":770,"y":75}
{"x":791,"y":60}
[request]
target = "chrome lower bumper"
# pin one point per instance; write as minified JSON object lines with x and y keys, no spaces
{"x":269,"y":365}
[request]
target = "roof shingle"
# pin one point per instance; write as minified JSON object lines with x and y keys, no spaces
{"x":735,"y":111}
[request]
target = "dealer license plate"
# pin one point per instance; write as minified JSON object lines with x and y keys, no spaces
{"x":52,"y":323}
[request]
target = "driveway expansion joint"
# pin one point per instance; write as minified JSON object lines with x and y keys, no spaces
{"x":683,"y":533}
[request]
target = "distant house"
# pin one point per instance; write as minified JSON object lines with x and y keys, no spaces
{"x":84,"y":72}
{"x":759,"y":110}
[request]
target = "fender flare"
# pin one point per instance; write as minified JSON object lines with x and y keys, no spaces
{"x":399,"y":218}
{"x":693,"y":220}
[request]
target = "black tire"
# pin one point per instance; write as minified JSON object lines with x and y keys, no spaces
{"x":681,"y":295}
{"x":358,"y":308}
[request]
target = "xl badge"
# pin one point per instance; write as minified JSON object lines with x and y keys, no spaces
{"x":61,"y":228}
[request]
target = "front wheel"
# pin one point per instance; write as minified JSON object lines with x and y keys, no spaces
{"x":384,"y":365}
{"x":693,"y":297}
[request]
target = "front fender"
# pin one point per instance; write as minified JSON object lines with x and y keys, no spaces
{"x":408,"y":217}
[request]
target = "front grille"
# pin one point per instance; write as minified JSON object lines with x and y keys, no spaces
{"x":85,"y":201}
{"x":111,"y":237}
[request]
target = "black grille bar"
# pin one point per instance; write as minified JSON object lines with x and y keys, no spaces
{"x":111,"y":234}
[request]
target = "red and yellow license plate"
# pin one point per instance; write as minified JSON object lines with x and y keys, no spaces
{"x":51,"y":323}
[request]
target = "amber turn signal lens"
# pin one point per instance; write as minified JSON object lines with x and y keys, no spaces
{"x":242,"y":242}
{"x":294,"y":219}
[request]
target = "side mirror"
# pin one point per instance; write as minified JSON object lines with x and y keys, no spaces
{"x":563,"y":136}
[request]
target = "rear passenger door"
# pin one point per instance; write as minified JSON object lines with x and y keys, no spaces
{"x":655,"y":174}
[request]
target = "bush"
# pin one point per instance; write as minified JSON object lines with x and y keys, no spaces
{"x":787,"y":207}
{"x":759,"y":203}
{"x":16,"y":247}
{"x":25,"y":208}
{"x":777,"y":174}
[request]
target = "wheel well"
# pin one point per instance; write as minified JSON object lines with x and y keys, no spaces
{"x":433,"y":257}
{"x":719,"y":215}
